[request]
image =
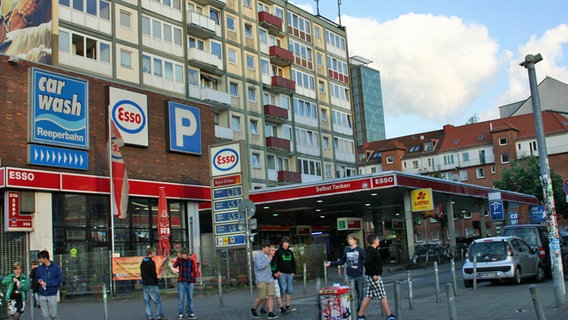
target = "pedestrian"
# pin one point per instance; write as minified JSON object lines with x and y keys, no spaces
{"x":34,"y":284}
{"x":49,"y":277}
{"x":353,"y":258}
{"x":286,"y":265}
{"x":186,"y":280}
{"x":373,"y":272}
{"x":275,"y":274}
{"x":15,"y":297}
{"x":264,"y":280}
{"x":150,"y":284}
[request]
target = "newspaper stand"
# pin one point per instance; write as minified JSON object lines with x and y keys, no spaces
{"x":334,"y":303}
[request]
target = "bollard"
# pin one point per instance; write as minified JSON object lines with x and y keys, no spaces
{"x":354,"y":297}
{"x":220,"y":287}
{"x":325,"y":274}
{"x":318,"y":285}
{"x":437,"y":281}
{"x":305,"y":279}
{"x":105,"y":298}
{"x":453,"y":267}
{"x":397,"y":305}
{"x":409,"y":279}
{"x":536,"y":301}
{"x":451,"y":302}
{"x":474,"y":273}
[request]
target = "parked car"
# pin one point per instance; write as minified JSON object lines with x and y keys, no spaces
{"x":427,"y":253}
{"x":501,"y":259}
{"x":536,"y":236}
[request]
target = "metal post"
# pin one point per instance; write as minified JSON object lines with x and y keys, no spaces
{"x":455,"y":282}
{"x":220,"y":289}
{"x":410,"y":298}
{"x":437,"y":281}
{"x":318,"y":286}
{"x":536,"y":301}
{"x":305,"y":279}
{"x":397,"y":305}
{"x":354,"y":297}
{"x":105,"y":302}
{"x":324,"y":274}
{"x":451,"y":302}
{"x":249,"y":249}
{"x":474,"y":272}
{"x":548,"y":195}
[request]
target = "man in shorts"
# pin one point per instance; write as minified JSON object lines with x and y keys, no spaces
{"x":275,"y":274}
{"x":373,"y":272}
{"x":264,"y":280}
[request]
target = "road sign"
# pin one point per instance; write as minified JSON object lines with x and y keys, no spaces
{"x":58,"y":157}
{"x":565,"y":186}
{"x":253,"y":224}
{"x":537,"y":214}
{"x":247,"y":207}
{"x":496,"y":210}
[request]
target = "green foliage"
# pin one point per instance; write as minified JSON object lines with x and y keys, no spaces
{"x":524,"y":176}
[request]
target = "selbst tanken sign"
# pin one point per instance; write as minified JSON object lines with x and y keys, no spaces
{"x":422,"y":200}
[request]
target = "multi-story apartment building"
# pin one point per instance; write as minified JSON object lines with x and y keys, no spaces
{"x":276,"y":75}
{"x":367,"y":101}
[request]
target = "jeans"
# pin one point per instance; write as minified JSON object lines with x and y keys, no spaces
{"x":358,"y":283}
{"x":152,"y":293}
{"x":48,"y":306}
{"x":185,"y":291}
{"x":286,"y":282}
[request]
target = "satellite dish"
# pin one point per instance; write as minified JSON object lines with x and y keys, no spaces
{"x":421,"y":137}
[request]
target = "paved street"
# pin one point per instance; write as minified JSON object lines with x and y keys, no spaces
{"x":490,"y":301}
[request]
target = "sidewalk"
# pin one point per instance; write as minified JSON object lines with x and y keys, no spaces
{"x":504,"y":302}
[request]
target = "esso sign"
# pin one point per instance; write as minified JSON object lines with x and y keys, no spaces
{"x":383,"y":181}
{"x":225,"y":159}
{"x":128,"y":116}
{"x":21,"y":176}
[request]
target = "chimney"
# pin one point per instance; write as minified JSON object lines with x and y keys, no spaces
{"x":448,"y":128}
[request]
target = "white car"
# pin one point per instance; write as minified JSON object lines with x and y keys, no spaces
{"x":501,"y":258}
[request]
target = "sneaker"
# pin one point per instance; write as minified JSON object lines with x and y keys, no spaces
{"x":253,"y":313}
{"x":180,"y":316}
{"x":391,"y":317}
{"x":271,"y":315}
{"x":361,"y":317}
{"x":263,"y":312}
{"x":192,"y":316}
{"x":284,"y":310}
{"x":290,"y":309}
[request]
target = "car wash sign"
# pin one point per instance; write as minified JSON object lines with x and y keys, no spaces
{"x":58,"y":110}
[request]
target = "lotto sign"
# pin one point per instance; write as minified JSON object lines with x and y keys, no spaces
{"x":185,"y":128}
{"x":14,"y":221}
{"x":129,"y":111}
{"x":422,"y":200}
{"x":225,"y":160}
{"x":59,"y":110}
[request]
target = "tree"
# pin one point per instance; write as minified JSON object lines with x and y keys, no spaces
{"x":524,"y":176}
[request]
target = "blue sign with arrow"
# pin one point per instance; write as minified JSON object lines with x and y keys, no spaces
{"x":58,"y":157}
{"x":496,"y":210}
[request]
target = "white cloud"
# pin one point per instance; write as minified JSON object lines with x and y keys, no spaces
{"x":304,"y":6}
{"x":432,"y":67}
{"x":550,"y":47}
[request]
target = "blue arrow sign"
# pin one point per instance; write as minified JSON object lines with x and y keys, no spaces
{"x":58,"y":157}
{"x":496,"y":210}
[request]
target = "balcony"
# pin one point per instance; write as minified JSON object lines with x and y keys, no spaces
{"x":280,"y":56}
{"x":289,"y":177}
{"x":276,"y":114}
{"x":278,"y":143}
{"x":216,"y":3}
{"x":221,"y":101}
{"x":200,"y":26}
{"x":223,"y":134}
{"x":282,"y":85}
{"x":205,"y":61}
{"x":270,"y":22}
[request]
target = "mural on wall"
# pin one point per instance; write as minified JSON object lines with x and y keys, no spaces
{"x":25,"y":29}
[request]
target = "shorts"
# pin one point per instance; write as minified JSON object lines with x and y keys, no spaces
{"x":375,"y":288}
{"x":15,"y":306}
{"x":265,"y":289}
{"x":277,"y":288}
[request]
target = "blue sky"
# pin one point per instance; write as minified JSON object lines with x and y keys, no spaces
{"x":444,"y":61}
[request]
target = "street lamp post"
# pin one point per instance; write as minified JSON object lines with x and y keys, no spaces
{"x":554,"y":242}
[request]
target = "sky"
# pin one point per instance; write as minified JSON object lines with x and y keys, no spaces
{"x":446,"y":61}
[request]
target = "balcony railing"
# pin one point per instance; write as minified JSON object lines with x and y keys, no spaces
{"x":275,"y":113}
{"x":218,"y":99}
{"x":289,"y":177}
{"x":281,"y":84}
{"x":205,"y":60}
{"x":270,"y":22}
{"x":280,"y":56}
{"x":278,"y":143}
{"x":200,"y":26}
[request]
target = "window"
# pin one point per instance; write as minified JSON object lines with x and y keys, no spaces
{"x":504,"y":158}
{"x":252,"y":94}
{"x":463,"y":175}
{"x":232,"y":56}
{"x":390,"y":159}
{"x":231,"y":23}
{"x":492,"y":169}
{"x":234,"y":89}
{"x":125,"y":19}
{"x":480,"y":173}
{"x":146,"y":26}
{"x":247,"y":3}
{"x":254,"y":127}
{"x":250,"y":62}
{"x":248,"y":31}
{"x":157,"y":29}
{"x":236,"y":123}
{"x":324,"y":115}
{"x":428,"y":146}
{"x":502,"y":141}
{"x":216,"y":49}
{"x":415,"y":164}
{"x":256,"y":160}
{"x":125,"y":58}
{"x":214,"y":15}
{"x":326,"y":143}
{"x":465,"y":156}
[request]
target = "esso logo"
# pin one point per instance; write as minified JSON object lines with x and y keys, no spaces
{"x":225,"y":159}
{"x":384,"y":181}
{"x":128,"y":116}
{"x":22,"y":176}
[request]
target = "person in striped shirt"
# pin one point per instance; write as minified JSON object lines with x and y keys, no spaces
{"x":186,"y":279}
